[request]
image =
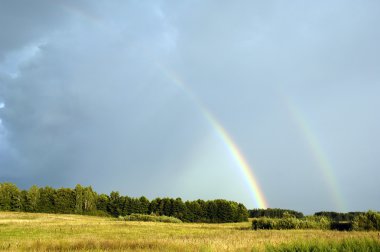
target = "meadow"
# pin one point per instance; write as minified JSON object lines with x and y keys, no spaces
{"x":59,"y":232}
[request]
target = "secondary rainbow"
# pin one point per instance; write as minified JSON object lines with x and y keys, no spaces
{"x":317,"y":150}
{"x":250,"y":179}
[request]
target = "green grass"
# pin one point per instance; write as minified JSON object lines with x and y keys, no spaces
{"x":49,"y":232}
{"x":347,"y":245}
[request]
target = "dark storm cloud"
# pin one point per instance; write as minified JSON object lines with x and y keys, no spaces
{"x":22,"y":22}
{"x":94,"y":107}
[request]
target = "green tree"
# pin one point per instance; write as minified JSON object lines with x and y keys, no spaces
{"x":24,"y":201}
{"x":89,"y":200}
{"x":179,"y":208}
{"x":126,"y":209}
{"x":33,"y":197}
{"x":368,"y":221}
{"x":144,"y":205}
{"x":46,"y":200}
{"x":134,"y":205}
{"x":167,"y":207}
{"x":102,"y":202}
{"x":193,"y":211}
{"x":10,"y":197}
{"x":78,"y":199}
{"x":64,"y":201}
{"x":212,"y":211}
{"x":242,"y":213}
{"x":115,"y":204}
{"x":155,"y":206}
{"x":225,"y":211}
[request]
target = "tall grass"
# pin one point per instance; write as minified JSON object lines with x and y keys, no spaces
{"x":347,"y":245}
{"x":58,"y":232}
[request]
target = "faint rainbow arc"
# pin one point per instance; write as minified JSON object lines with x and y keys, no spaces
{"x":76,"y":10}
{"x":234,"y":151}
{"x":316,"y":149}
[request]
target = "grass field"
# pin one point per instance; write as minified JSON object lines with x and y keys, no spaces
{"x":50,"y":232}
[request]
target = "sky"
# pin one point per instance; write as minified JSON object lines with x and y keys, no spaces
{"x":195,"y":99}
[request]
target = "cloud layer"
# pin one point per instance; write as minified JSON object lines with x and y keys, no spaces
{"x":85,"y":99}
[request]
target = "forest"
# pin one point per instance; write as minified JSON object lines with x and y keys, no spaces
{"x":273,"y":213}
{"x":84,"y":200}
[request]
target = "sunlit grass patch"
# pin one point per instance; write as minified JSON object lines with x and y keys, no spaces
{"x":50,"y":232}
{"x":347,"y":245}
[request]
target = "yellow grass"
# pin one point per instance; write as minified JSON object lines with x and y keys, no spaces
{"x":57,"y":232}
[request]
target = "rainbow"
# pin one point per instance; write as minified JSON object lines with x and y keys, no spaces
{"x":76,"y":10}
{"x":317,"y":151}
{"x":239,"y":159}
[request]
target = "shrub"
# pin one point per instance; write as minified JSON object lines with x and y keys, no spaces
{"x":341,"y":226}
{"x":291,"y":223}
{"x":368,"y":221}
{"x":263,"y":223}
{"x":315,"y":222}
{"x":150,"y":218}
{"x":288,"y":223}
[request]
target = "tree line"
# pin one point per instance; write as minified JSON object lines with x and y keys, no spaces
{"x":335,"y":216}
{"x":365,"y":221}
{"x":84,"y":200}
{"x":279,"y":213}
{"x":273,"y":213}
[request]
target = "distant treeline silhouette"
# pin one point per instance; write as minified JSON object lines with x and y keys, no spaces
{"x":83,"y":200}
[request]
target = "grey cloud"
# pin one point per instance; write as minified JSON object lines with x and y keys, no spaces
{"x":92,"y":105}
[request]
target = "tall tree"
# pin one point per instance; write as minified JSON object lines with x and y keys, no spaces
{"x":115,"y":204}
{"x":89,"y":200}
{"x":10,"y":197}
{"x":179,"y":208}
{"x":144,"y":205}
{"x":46,"y":200}
{"x":78,"y":199}
{"x":33,"y":197}
{"x":102,"y":202}
{"x":64,"y":201}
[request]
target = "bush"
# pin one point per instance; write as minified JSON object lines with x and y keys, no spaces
{"x":150,"y":218}
{"x":288,"y":223}
{"x":341,"y":226}
{"x":263,"y":223}
{"x":315,"y":222}
{"x":368,"y":221}
{"x":291,"y":223}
